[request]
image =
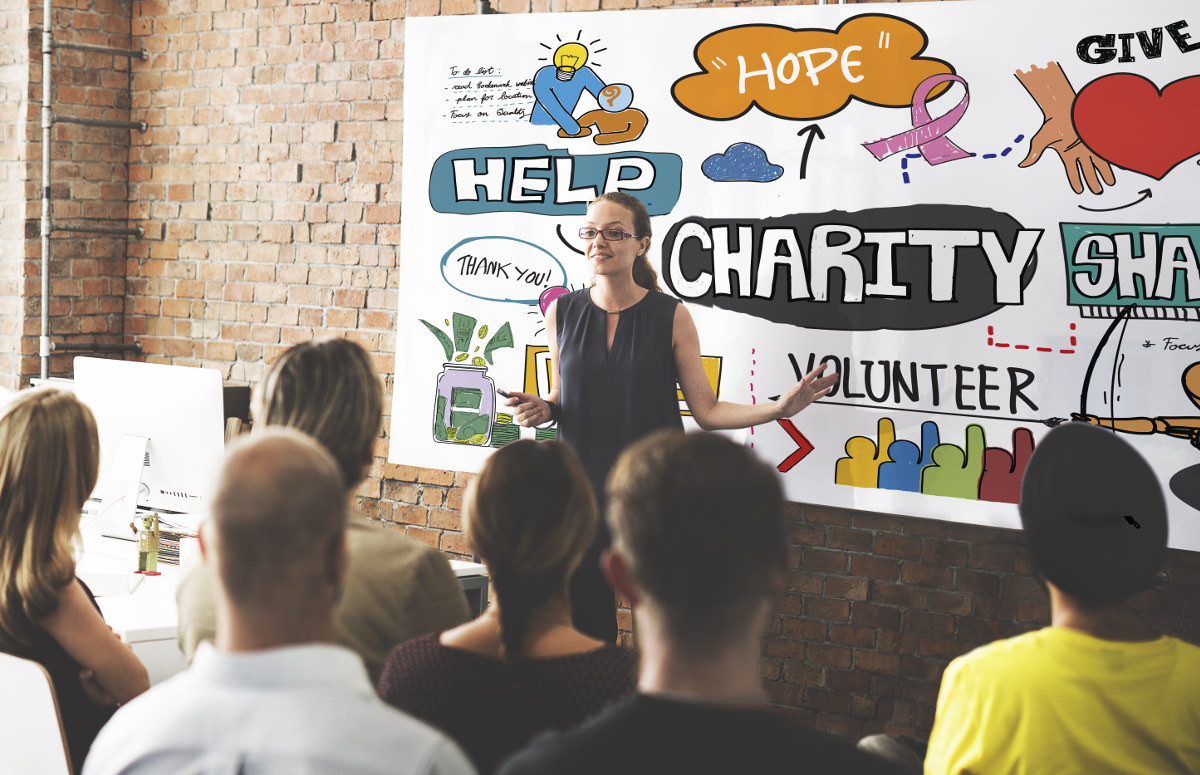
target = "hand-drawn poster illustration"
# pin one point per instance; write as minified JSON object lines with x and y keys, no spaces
{"x":980,"y":215}
{"x":465,"y":406}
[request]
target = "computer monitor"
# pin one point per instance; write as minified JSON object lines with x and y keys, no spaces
{"x":178,"y":410}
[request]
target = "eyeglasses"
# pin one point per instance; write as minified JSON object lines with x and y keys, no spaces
{"x":612,"y":235}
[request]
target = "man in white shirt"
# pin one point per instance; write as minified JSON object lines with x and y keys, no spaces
{"x":275,"y":694}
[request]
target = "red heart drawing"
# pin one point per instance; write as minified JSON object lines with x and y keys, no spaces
{"x":1126,"y":120}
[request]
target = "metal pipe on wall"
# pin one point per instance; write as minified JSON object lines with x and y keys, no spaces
{"x":45,"y":345}
{"x":47,"y":121}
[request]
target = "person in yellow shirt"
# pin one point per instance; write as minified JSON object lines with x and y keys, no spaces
{"x":1099,"y":690}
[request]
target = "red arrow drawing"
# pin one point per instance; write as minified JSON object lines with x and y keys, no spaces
{"x":805,"y":446}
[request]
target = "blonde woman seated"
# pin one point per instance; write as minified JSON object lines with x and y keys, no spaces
{"x":521,"y":668}
{"x":49,"y":459}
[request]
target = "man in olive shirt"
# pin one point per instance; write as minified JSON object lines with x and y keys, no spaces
{"x":395,"y":588}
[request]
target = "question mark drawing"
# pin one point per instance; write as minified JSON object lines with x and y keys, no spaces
{"x":615,"y":121}
{"x":615,"y":97}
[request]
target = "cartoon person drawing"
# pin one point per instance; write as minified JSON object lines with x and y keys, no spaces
{"x":558,"y":87}
{"x":860,"y":467}
{"x":1178,"y":427}
{"x":956,"y":470}
{"x":615,"y":122}
{"x":903,"y":471}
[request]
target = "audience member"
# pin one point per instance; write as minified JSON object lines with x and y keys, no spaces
{"x":396,"y":588}
{"x":275,"y":695}
{"x":521,"y":668}
{"x":49,"y":458}
{"x":905,"y":753}
{"x":1099,"y":690}
{"x":699,"y":552}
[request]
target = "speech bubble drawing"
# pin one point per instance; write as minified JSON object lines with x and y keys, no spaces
{"x":807,"y":74}
{"x":501,"y":269}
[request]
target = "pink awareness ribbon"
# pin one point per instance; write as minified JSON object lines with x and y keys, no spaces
{"x":928,"y":134}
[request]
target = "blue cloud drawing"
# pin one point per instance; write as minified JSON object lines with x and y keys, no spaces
{"x":741,"y":162}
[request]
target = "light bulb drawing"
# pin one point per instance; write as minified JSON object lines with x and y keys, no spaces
{"x":568,"y":58}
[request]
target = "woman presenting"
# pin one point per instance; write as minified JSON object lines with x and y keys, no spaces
{"x":617,"y":350}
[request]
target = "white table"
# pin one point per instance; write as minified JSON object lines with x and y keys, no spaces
{"x":142,"y":610}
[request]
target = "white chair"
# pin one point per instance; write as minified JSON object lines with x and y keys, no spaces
{"x":31,"y":732}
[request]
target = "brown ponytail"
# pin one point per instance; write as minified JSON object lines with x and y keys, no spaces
{"x":520,"y":597}
{"x":530,"y":515}
{"x":643,"y":273}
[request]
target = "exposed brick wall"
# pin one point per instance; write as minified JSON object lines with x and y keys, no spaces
{"x":269,"y":188}
{"x":88,"y":185}
{"x":877,"y":605}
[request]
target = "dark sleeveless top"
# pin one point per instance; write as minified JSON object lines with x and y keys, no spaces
{"x":81,"y":717}
{"x":608,"y":400}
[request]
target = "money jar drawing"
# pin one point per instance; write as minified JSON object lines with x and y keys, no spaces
{"x":465,"y":398}
{"x":466,"y":405}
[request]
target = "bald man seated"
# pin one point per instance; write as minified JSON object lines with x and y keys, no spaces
{"x":275,"y":694}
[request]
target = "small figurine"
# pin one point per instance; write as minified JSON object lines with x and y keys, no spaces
{"x":148,"y":545}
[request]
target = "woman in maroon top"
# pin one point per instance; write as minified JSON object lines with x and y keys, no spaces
{"x":521,"y":668}
{"x":49,"y":457}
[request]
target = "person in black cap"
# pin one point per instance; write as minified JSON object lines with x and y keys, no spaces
{"x":1099,"y":690}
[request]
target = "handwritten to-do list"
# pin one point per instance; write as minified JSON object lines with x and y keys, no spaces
{"x":477,"y":95}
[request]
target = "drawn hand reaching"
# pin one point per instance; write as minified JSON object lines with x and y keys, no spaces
{"x":1053,"y":93}
{"x":1058,"y":133}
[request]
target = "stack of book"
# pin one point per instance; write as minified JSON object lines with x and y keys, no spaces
{"x":168,"y":546}
{"x":172,"y":532}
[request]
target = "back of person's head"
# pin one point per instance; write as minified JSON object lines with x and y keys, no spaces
{"x":1094,"y":515}
{"x":49,"y":459}
{"x":277,"y":521}
{"x":699,"y":521}
{"x":530,"y":515}
{"x":330,"y":391}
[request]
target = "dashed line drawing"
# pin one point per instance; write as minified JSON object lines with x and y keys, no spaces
{"x":991,"y":340}
{"x":753,"y":401}
{"x":907,"y":156}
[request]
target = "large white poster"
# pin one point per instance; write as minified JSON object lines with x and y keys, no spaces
{"x":983,"y":215}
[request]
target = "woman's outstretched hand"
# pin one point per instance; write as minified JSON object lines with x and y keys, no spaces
{"x":804,"y":392}
{"x":528,"y":409}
